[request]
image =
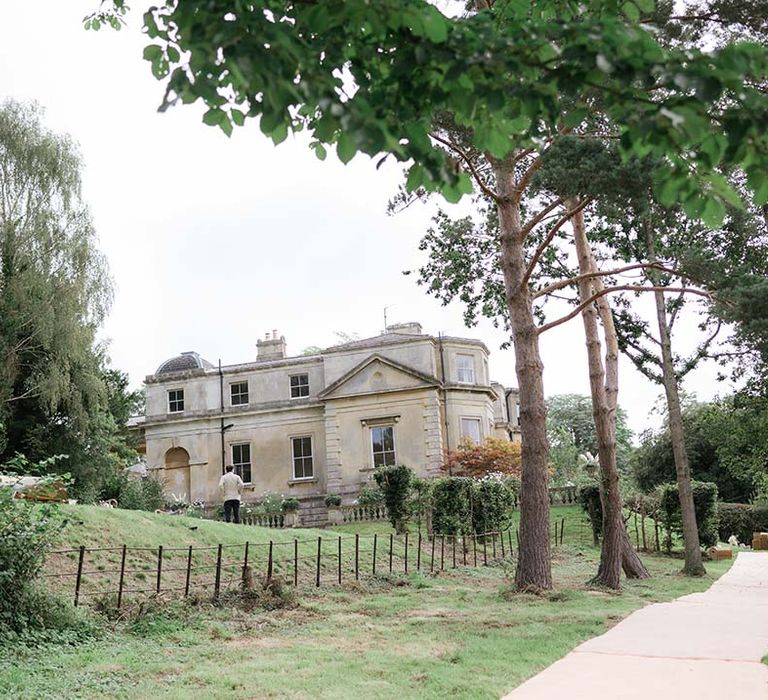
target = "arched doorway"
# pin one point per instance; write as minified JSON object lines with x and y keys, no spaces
{"x":177,"y":473}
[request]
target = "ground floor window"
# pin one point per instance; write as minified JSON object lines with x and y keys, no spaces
{"x":470,"y":428}
{"x":303,"y":468}
{"x":241,"y":461}
{"x":383,"y":445}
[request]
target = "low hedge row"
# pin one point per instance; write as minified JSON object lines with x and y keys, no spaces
{"x":742,"y":520}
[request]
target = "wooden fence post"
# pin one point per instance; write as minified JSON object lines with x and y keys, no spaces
{"x":391,"y":544}
{"x":189,"y":571}
{"x":159,"y":566}
{"x":501,"y":538}
{"x":509,"y":539}
{"x":637,"y":533}
{"x":245,"y":558}
{"x":78,"y":580}
{"x":453,"y":545}
{"x":562,"y":530}
{"x":405,"y":565}
{"x":493,"y":539}
{"x":432,"y":562}
{"x":270,"y":563}
{"x":357,"y":556}
{"x":485,"y":550}
{"x":418,"y":553}
{"x":122,"y":578}
{"x":374,"y":554}
{"x":317,"y":570}
{"x":339,"y":559}
{"x":295,"y":562}
{"x":474,"y":546}
{"x":217,"y":583}
{"x":442,"y":552}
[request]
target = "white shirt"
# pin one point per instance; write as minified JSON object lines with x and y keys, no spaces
{"x":230,"y":486}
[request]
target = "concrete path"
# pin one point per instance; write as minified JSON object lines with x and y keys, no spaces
{"x":703,"y":646}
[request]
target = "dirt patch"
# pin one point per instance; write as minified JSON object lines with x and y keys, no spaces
{"x":258,"y":643}
{"x":435,"y":614}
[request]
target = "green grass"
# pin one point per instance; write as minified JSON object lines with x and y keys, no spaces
{"x":459,"y":633}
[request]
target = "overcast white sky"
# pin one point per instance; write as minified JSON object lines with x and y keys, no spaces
{"x":214,"y":241}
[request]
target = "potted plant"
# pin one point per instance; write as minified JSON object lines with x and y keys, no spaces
{"x":290,"y":508}
{"x":333,"y":503}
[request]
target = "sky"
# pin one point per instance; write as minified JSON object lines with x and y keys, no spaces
{"x":213,"y":242}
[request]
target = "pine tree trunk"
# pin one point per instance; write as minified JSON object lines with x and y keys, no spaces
{"x":693,"y":562}
{"x":617,"y":551}
{"x":534,"y":569}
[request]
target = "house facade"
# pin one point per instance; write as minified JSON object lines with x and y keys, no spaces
{"x":316,"y":424}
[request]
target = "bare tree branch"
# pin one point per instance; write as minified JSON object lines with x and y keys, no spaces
{"x":468,"y":161}
{"x":548,"y":239}
{"x":620,"y":288}
{"x":601,"y":273}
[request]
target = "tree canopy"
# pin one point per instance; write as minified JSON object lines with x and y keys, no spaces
{"x":372,"y":78}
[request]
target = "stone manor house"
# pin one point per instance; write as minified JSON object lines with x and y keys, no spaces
{"x":315,"y":424}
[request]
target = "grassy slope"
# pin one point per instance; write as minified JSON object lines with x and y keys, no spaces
{"x":459,"y":634}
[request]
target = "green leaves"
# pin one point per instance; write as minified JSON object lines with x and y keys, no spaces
{"x":360,"y":75}
{"x":345,"y":148}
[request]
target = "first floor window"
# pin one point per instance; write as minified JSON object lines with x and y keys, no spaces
{"x":470,"y":428}
{"x":241,"y":461}
{"x":302,"y":457}
{"x":465,"y":369}
{"x":175,"y":400}
{"x":238,"y":393}
{"x":299,"y":386}
{"x":383,"y":445}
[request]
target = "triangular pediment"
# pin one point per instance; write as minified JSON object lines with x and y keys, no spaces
{"x":378,"y":375}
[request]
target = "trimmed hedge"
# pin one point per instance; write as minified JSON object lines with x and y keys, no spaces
{"x":742,"y":520}
{"x":704,"y":504}
{"x":462,"y":506}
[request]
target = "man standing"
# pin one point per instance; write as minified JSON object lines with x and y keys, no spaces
{"x":231,"y":486}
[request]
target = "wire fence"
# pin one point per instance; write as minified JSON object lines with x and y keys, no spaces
{"x":120,"y":573}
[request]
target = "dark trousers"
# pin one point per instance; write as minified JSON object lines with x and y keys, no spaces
{"x":232,"y":510}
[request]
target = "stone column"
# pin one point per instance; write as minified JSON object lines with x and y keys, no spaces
{"x":333,"y":480}
{"x":433,"y":435}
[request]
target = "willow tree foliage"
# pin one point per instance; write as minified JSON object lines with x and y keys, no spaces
{"x":376,"y":77}
{"x":56,"y":393}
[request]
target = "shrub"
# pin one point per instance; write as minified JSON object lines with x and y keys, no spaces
{"x":451,"y":512}
{"x":741,"y":520}
{"x":146,"y":493}
{"x":271,"y":503}
{"x":333,"y":500}
{"x":420,"y":499}
{"x":589,"y":499}
{"x":492,"y":501}
{"x":704,"y":504}
{"x":395,"y":483}
{"x":461,"y":505}
{"x":29,"y":616}
{"x":290,"y":505}
{"x":370,"y":497}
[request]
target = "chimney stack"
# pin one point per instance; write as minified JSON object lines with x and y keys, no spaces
{"x":410,"y":328}
{"x":270,"y":348}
